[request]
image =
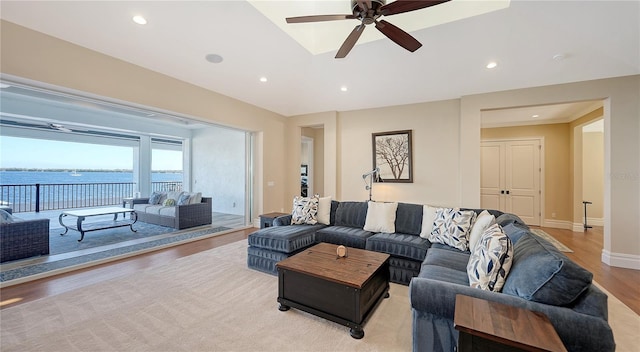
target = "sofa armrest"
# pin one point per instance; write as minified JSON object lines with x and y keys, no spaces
{"x":283,"y":220}
{"x":578,"y":331}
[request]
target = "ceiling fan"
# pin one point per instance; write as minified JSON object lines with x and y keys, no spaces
{"x":369,"y":12}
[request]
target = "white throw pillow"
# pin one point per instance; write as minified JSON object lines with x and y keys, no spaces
{"x":324,"y":210}
{"x":428,"y":217}
{"x":305,"y":211}
{"x":452,"y":226}
{"x":483,"y":221}
{"x":491,"y":260}
{"x":381,"y":217}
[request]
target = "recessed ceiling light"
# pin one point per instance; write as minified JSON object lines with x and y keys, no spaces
{"x":492,"y":64}
{"x":536,"y":115}
{"x":214,"y":58}
{"x":343,"y":88}
{"x":263,"y":79}
{"x":558,"y":57}
{"x":139,"y":19}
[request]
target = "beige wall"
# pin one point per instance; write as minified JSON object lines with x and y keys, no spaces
{"x":34,"y":56}
{"x":435,"y":151}
{"x":558,"y":193}
{"x":593,"y":175}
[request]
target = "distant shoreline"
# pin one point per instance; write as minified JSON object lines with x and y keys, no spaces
{"x":80,"y":170}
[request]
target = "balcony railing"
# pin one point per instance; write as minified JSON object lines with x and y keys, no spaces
{"x":42,"y":196}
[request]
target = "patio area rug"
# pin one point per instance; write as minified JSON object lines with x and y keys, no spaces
{"x":69,"y":242}
{"x":152,"y":238}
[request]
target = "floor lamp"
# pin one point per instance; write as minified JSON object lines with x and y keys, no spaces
{"x":372,"y":175}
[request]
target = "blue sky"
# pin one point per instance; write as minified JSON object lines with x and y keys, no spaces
{"x":38,"y":153}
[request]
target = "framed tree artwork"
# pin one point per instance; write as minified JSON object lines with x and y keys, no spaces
{"x":392,"y":154}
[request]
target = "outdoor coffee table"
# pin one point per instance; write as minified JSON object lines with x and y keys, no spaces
{"x":83,"y":214}
{"x":344,"y":290}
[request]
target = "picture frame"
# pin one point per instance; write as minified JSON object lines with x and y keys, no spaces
{"x":392,"y":153}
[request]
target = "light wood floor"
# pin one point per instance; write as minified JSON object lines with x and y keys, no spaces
{"x":622,"y":283}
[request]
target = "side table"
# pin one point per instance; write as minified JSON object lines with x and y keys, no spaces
{"x":266,"y":220}
{"x":496,"y":327}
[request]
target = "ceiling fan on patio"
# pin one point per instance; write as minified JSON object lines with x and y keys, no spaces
{"x":369,"y":12}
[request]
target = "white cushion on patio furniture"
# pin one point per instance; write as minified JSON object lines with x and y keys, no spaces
{"x":195,"y":198}
{"x":153,"y":209}
{"x":141,"y":207}
{"x":167,"y":211}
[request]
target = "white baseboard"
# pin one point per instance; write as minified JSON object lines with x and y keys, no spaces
{"x":556,"y":224}
{"x":256,"y":222}
{"x":595,"y":221}
{"x":577,"y":227}
{"x":621,"y":260}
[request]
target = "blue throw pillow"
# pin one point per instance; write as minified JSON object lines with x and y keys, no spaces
{"x":184,"y":198}
{"x":155,"y":198}
{"x":541,"y":273}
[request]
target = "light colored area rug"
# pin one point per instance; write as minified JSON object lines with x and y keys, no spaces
{"x":561,"y":247}
{"x":211,"y":301}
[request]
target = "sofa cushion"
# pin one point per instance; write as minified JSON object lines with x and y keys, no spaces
{"x":453,"y":259}
{"x":490,"y":260}
{"x":399,"y":245}
{"x":483,"y":221}
{"x":381,"y":217}
{"x":153,"y":209}
{"x":344,"y":235}
{"x":351,"y":214}
{"x":409,"y":218}
{"x":285,"y":239}
{"x":451,"y":227}
{"x":515,"y":231}
{"x":442,"y":273}
{"x":305,"y":211}
{"x":541,"y":273}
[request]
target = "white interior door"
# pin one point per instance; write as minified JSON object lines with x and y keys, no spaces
{"x":492,"y":175}
{"x":510,"y":178}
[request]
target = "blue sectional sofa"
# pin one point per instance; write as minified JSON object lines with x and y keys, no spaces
{"x":541,"y":278}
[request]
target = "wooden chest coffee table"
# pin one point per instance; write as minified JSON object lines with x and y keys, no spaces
{"x":344,"y":290}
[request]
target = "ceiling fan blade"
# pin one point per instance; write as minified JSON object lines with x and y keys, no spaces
{"x":350,"y":41}
{"x":400,"y":6}
{"x":399,"y":36}
{"x":319,"y":18}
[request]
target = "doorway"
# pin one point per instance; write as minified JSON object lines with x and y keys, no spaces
{"x":510,"y":177}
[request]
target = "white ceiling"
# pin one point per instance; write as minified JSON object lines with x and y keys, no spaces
{"x":598,"y":39}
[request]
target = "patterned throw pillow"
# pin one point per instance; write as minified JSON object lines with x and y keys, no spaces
{"x":305,"y":211}
{"x":184,"y":198}
{"x":169,"y":202}
{"x":491,"y":260}
{"x":155,"y":198}
{"x":452,"y":226}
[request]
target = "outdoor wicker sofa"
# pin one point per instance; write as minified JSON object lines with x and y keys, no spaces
{"x":21,"y":239}
{"x":177,"y":216}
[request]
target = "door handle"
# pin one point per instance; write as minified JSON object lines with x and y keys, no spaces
{"x":507,"y":192}
{"x":502,"y":191}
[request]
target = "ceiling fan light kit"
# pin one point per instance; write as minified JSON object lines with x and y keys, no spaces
{"x":369,"y":12}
